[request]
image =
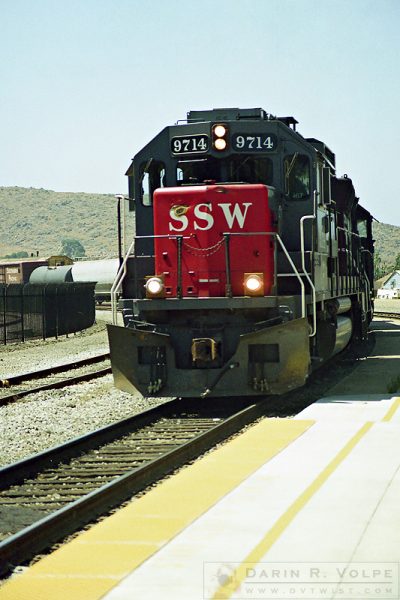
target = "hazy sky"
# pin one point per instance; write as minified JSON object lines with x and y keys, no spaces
{"x":86,"y":83}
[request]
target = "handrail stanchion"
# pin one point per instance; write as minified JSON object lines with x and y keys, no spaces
{"x":228,"y":286}
{"x":116,"y":286}
{"x":303,"y":265}
{"x":303,"y":289}
{"x":179,"y":267}
{"x":275,"y":290}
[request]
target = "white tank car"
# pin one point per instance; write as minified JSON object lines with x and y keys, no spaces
{"x":103,"y":272}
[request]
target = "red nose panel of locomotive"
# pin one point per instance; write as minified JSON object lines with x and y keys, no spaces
{"x":201,"y":216}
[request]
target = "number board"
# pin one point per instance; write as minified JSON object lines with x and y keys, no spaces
{"x":256,"y":142}
{"x":189,"y":144}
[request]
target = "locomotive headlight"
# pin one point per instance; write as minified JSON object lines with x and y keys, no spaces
{"x":220,"y":131}
{"x":220,"y":136}
{"x":220,"y":144}
{"x":155,"y":287}
{"x":254,"y":284}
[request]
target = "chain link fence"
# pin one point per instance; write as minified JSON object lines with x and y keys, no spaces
{"x":29,"y":311}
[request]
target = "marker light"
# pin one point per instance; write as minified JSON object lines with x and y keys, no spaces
{"x":155,"y":288}
{"x":254,"y":284}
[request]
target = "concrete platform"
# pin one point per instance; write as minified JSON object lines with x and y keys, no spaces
{"x":292,"y":508}
{"x":375,"y":372}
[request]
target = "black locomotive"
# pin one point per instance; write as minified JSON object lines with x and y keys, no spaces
{"x":252,"y":261}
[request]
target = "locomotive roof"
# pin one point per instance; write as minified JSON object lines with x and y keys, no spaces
{"x":196,"y":117}
{"x":237,"y":114}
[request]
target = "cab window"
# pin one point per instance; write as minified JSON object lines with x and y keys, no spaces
{"x":250,"y":169}
{"x":152,"y":176}
{"x":198,"y":171}
{"x":362,"y":228}
{"x":297,"y":176}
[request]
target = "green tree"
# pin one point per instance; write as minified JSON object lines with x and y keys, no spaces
{"x":380,"y":268}
{"x":72,"y":248}
{"x":396,"y":266}
{"x":21,"y":254}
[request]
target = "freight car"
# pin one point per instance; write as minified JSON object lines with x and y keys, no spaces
{"x":56,"y":275}
{"x":100,"y":272}
{"x":18,"y":271}
{"x":103,"y":272}
{"x":252,"y":262}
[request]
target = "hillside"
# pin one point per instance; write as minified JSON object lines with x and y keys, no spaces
{"x":387,"y":242}
{"x":37,"y":220}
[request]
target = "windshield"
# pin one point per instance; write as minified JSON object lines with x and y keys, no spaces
{"x":246,"y":169}
{"x":198,"y":171}
{"x":297,"y":176}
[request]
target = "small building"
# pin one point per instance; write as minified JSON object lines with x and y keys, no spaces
{"x":59,"y":260}
{"x":391,"y":287}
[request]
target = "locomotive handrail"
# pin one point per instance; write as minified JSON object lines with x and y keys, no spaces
{"x":282,"y":245}
{"x":367,"y":286}
{"x":121,"y":273}
{"x":303,"y":288}
{"x":116,"y":286}
{"x":228,"y":285}
{"x":303,"y":266}
{"x":179,"y":267}
{"x":226,"y":236}
{"x":123,"y":268}
{"x":348,"y":231}
{"x":170,"y":236}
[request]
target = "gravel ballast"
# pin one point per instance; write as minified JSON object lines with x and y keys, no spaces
{"x":49,"y":418}
{"x":45,"y":419}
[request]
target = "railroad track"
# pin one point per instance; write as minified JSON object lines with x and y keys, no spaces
{"x":387,"y":315}
{"x":18,"y":386}
{"x":56,"y":492}
{"x":104,"y":306}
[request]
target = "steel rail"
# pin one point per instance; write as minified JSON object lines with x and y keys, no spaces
{"x":53,"y":385}
{"x":35,"y":538}
{"x":15,"y":379}
{"x":386,"y":314}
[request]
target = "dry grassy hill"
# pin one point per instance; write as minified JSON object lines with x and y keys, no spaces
{"x":387,"y":242}
{"x":37,"y":220}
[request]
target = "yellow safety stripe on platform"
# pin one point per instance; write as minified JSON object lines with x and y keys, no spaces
{"x":92,"y":564}
{"x":390,"y":413}
{"x":225,"y":591}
